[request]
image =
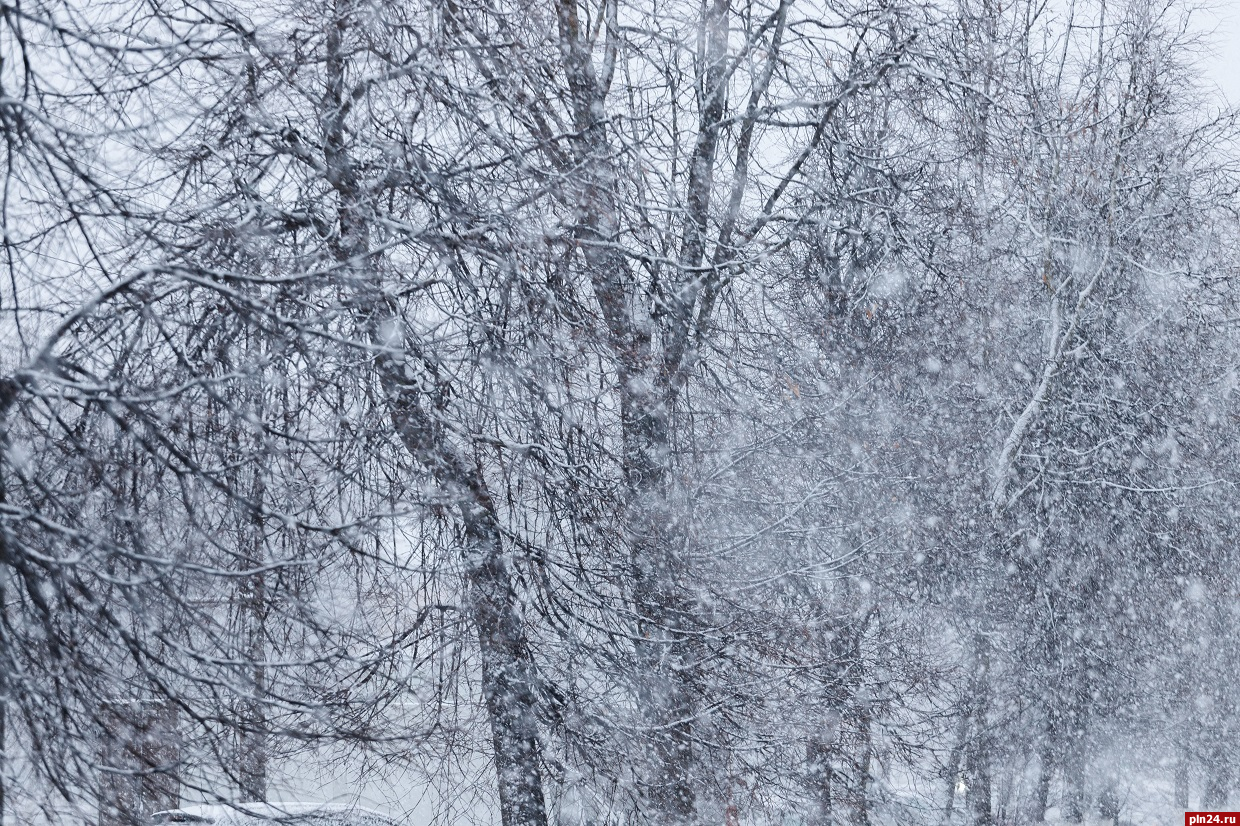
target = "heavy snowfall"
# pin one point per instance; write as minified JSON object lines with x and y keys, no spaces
{"x":618,"y":412}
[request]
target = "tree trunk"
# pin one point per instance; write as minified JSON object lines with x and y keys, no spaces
{"x":141,"y":749}
{"x":1074,"y":779}
{"x":1182,"y":779}
{"x":647,"y":387}
{"x":1222,"y":708}
{"x":8,"y":395}
{"x":1046,"y":769}
{"x":252,"y":727}
{"x":977,"y":749}
{"x":820,"y":775}
{"x":508,"y":677}
{"x":417,"y":401}
{"x":1074,"y":737}
{"x":251,"y":606}
{"x":1108,"y":804}
{"x":4,"y":739}
{"x":953,"y":770}
{"x":1218,"y":779}
{"x":978,"y":786}
{"x":664,"y":612}
{"x":861,"y":815}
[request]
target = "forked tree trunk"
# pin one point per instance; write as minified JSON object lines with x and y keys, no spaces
{"x":647,"y":389}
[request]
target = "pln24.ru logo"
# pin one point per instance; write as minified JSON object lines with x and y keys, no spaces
{"x":1212,"y":819}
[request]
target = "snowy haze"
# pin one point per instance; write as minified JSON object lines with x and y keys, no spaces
{"x":620,"y":412}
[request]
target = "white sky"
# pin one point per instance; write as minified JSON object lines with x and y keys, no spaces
{"x":1224,"y":65}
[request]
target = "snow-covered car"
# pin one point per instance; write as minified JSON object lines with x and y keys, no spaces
{"x":264,"y":814}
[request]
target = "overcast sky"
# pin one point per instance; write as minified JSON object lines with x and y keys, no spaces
{"x":1224,"y":66}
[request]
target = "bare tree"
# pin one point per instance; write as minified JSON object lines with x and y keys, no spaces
{"x":694,"y":409}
